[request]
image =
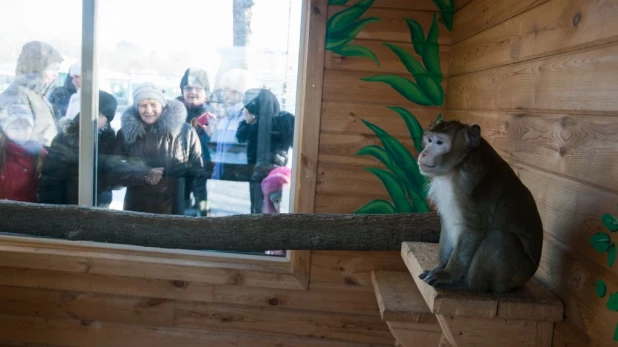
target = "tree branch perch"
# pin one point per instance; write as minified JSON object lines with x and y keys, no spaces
{"x":244,"y":233}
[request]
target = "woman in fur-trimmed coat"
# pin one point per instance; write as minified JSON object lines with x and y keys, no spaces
{"x":166,"y":151}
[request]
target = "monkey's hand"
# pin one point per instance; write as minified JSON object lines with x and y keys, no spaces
{"x":436,"y":277}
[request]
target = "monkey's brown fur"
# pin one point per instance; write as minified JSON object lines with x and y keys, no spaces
{"x":492,"y":233}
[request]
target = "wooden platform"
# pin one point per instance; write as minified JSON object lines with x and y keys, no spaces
{"x":404,"y":310}
{"x":520,"y":318}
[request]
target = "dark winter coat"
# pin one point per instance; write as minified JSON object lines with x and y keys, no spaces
{"x":281,"y":138}
{"x":59,"y":181}
{"x":59,"y":97}
{"x":170,"y":143}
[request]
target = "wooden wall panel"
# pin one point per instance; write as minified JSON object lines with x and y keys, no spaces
{"x":479,"y":15}
{"x":562,"y":143}
{"x":319,"y":298}
{"x":347,"y":87}
{"x":346,"y":118}
{"x":72,"y":332}
{"x":554,"y":27}
{"x":540,"y":80}
{"x":581,"y":81}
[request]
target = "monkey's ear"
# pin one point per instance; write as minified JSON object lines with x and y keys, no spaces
{"x":474,"y":136}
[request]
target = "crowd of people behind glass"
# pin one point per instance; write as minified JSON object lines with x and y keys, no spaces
{"x":161,"y":153}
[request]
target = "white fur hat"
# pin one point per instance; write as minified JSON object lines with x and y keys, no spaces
{"x":76,"y":69}
{"x":239,"y":80}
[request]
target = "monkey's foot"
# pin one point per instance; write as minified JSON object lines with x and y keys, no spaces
{"x":424,"y":274}
{"x":436,"y":277}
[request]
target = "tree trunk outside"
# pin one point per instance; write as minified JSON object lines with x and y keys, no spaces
{"x":242,"y":21}
{"x":242,"y":233}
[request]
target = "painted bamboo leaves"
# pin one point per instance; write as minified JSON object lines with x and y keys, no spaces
{"x":403,"y":180}
{"x":343,"y":26}
{"x":447,"y":10}
{"x":426,"y":89}
{"x":602,"y":243}
{"x":401,"y":176}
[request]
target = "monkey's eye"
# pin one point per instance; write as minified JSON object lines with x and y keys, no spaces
{"x":439,"y":142}
{"x":429,"y":139}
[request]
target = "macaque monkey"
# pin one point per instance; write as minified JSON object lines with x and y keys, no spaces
{"x":491,"y":235}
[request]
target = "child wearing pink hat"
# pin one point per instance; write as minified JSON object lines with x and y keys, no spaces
{"x":272,"y":187}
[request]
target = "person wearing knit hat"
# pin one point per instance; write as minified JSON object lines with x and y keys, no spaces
{"x":21,"y":158}
{"x":195,"y":89}
{"x":164,"y":152}
{"x":272,"y":188}
{"x":59,"y":179}
{"x":37,"y":68}
{"x":148,"y":91}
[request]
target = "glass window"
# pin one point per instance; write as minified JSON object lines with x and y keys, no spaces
{"x":40,"y":78}
{"x":195,"y":105}
{"x":206,"y":95}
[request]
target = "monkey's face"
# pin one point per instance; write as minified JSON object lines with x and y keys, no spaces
{"x":446,"y":145}
{"x":433,"y":160}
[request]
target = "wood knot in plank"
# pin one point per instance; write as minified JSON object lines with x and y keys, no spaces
{"x":316,"y":10}
{"x":577,"y":19}
{"x":273,"y":301}
{"x":179,"y":284}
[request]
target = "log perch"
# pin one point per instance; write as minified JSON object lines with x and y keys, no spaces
{"x":242,"y":233}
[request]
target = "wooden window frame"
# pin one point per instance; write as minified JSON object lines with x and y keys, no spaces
{"x":184,"y":266}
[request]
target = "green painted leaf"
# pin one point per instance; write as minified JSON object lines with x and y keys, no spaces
{"x":600,"y":289}
{"x":610,"y":222}
{"x":338,"y":38}
{"x":417,"y":35}
{"x":356,"y":51}
{"x":612,"y":302}
{"x":446,"y":11}
{"x":403,"y":86}
{"x":376,"y":152}
{"x":395,"y":190}
{"x":616,"y":333}
{"x":611,"y":255}
{"x":376,"y":207}
{"x":431,"y":51}
{"x":337,"y":2}
{"x":414,"y":127}
{"x":412,"y":65}
{"x":447,"y":17}
{"x":347,"y":16}
{"x":406,"y":167}
{"x":439,"y":118}
{"x":433,"y":89}
{"x":600,"y":242}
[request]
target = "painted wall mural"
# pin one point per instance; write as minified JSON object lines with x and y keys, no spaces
{"x":402,"y":179}
{"x":603,"y":243}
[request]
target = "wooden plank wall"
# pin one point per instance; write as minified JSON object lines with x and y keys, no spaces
{"x":41,"y":304}
{"x":541,"y":79}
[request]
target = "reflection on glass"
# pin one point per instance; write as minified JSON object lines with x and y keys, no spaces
{"x":35,"y":89}
{"x":206,"y":104}
{"x":197,"y":105}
